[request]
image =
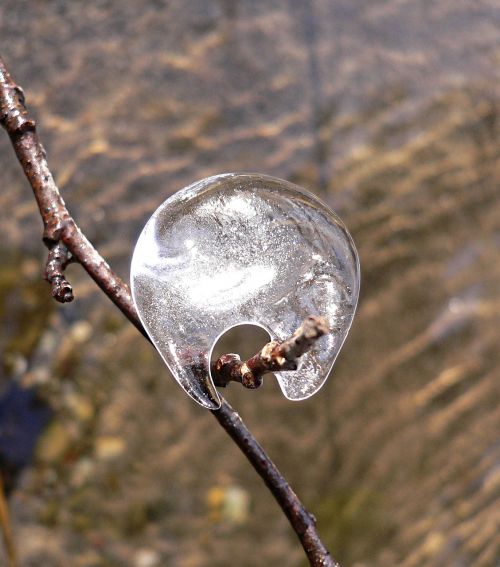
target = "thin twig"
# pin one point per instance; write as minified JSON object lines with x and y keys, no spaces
{"x":59,"y":227}
{"x":303,"y":523}
{"x":273,"y":357}
{"x":57,"y":260}
{"x":6,"y":527}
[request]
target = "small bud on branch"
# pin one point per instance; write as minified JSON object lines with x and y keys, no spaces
{"x":57,"y":260}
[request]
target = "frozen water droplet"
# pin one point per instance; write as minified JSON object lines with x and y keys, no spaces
{"x":242,"y":248}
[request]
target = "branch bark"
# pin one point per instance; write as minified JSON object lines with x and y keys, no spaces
{"x":273,"y":357}
{"x":57,"y":260}
{"x":62,"y":235}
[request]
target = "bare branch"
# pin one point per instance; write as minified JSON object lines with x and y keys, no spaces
{"x":273,"y":357}
{"x":60,"y":227}
{"x":57,"y":260}
{"x":301,"y":520}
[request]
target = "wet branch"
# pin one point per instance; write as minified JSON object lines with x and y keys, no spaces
{"x":63,"y":238}
{"x":273,"y":357}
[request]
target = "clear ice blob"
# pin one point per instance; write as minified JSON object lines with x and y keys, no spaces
{"x":239,"y":249}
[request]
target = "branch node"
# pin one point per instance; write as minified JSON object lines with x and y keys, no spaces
{"x":273,"y":357}
{"x":249,"y":379}
{"x":57,"y":260}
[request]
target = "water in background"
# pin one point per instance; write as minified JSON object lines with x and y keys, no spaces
{"x":390,"y":112}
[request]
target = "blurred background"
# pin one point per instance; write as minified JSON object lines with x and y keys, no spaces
{"x":389,"y":111}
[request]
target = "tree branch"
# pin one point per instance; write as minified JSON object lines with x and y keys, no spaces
{"x":273,"y":357}
{"x":61,"y":234}
{"x":57,"y":260}
{"x":303,"y":523}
